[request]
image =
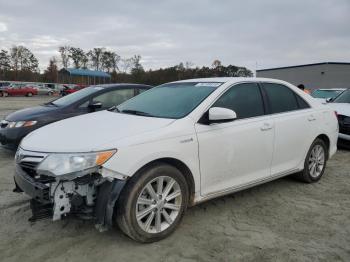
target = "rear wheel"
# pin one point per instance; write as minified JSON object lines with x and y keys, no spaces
{"x":315,"y":162}
{"x":152,"y":204}
{"x":5,"y":94}
{"x":29,"y":94}
{"x":1,"y":94}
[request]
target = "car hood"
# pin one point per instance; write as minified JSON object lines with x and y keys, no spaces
{"x":31,"y":113}
{"x":341,"y":108}
{"x":87,"y":132}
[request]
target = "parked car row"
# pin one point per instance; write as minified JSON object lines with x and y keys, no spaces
{"x":18,"y":90}
{"x":147,"y":158}
{"x":31,"y":89}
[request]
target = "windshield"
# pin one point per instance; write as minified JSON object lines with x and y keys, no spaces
{"x":74,"y":97}
{"x":325,"y":93}
{"x":174,"y":100}
{"x":343,"y":97}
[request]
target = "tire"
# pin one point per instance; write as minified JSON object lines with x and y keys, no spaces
{"x":5,"y":94}
{"x":309,"y":174}
{"x":1,"y":94}
{"x":29,"y":94}
{"x":145,"y":229}
{"x":50,"y":93}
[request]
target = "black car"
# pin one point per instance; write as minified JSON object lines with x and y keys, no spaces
{"x":94,"y":98}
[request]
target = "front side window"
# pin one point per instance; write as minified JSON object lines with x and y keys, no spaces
{"x":174,"y":100}
{"x":281,"y":98}
{"x":343,"y":97}
{"x":114,"y":98}
{"x":76,"y":96}
{"x":245,"y":99}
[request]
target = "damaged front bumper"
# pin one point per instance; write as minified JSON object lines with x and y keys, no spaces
{"x":88,"y":197}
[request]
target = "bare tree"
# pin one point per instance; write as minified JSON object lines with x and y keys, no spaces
{"x":23,"y":59}
{"x":78,"y":57}
{"x":95,"y":57}
{"x":216,"y":63}
{"x":126,"y":64}
{"x":64,"y":52}
{"x":51,"y":72}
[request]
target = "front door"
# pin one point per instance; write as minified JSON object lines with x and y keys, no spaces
{"x":236,"y":153}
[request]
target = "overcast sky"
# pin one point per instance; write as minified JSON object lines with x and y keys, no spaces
{"x":270,"y":33}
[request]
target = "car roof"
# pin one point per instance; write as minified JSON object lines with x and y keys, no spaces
{"x":231,"y":80}
{"x":122,"y":85}
{"x":331,"y":89}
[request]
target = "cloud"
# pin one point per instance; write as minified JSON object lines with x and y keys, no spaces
{"x":3,"y":27}
{"x":270,"y":33}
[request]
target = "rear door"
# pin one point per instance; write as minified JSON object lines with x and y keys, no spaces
{"x":236,"y":153}
{"x":294,"y":126}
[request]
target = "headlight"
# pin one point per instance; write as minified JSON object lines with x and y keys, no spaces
{"x":80,"y":163}
{"x":21,"y":124}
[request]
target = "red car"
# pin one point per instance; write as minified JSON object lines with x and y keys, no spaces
{"x":18,"y":90}
{"x":68,"y":89}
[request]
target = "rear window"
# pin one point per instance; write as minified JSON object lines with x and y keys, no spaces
{"x":281,"y":98}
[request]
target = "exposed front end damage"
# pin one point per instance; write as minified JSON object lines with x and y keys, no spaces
{"x":86,"y":195}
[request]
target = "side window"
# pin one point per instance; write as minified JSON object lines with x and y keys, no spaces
{"x":141,"y":90}
{"x":281,"y":98}
{"x":301,"y":102}
{"x":114,"y":97}
{"x":244,"y":99}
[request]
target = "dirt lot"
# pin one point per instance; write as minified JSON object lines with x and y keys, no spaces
{"x":280,"y":221}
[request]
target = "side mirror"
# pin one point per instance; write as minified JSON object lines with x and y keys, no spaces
{"x":95,"y":105}
{"x":221,"y":115}
{"x":329,"y":99}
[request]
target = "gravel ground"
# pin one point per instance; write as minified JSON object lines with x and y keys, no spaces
{"x":283,"y":220}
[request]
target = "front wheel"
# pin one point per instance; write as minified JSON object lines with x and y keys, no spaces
{"x":315,"y":162}
{"x":29,"y":94}
{"x":152,"y":203}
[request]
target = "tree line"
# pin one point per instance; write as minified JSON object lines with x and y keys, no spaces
{"x":20,"y":64}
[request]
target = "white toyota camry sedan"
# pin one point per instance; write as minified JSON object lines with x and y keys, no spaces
{"x":142,"y":164}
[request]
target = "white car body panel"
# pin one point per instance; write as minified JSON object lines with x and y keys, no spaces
{"x":264,"y":147}
{"x":342,"y":109}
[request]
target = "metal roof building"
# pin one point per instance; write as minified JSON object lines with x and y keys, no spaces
{"x":312,"y":76}
{"x":83,"y":76}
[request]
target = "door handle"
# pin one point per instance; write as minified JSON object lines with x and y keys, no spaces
{"x":311,"y":118}
{"x":266,"y":126}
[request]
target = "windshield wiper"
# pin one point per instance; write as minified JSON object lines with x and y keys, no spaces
{"x":50,"y":103}
{"x":113,"y":109}
{"x":136,"y":112}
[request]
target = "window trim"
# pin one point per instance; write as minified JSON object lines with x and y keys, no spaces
{"x":202,"y":120}
{"x":293,"y":92}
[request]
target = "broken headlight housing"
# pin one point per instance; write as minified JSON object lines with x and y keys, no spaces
{"x":79,"y":164}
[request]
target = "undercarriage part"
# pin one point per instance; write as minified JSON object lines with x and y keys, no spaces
{"x":40,"y":210}
{"x":108,"y":195}
{"x":73,"y":197}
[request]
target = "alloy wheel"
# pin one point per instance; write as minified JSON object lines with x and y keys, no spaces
{"x":316,"y":161}
{"x":158,"y":204}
